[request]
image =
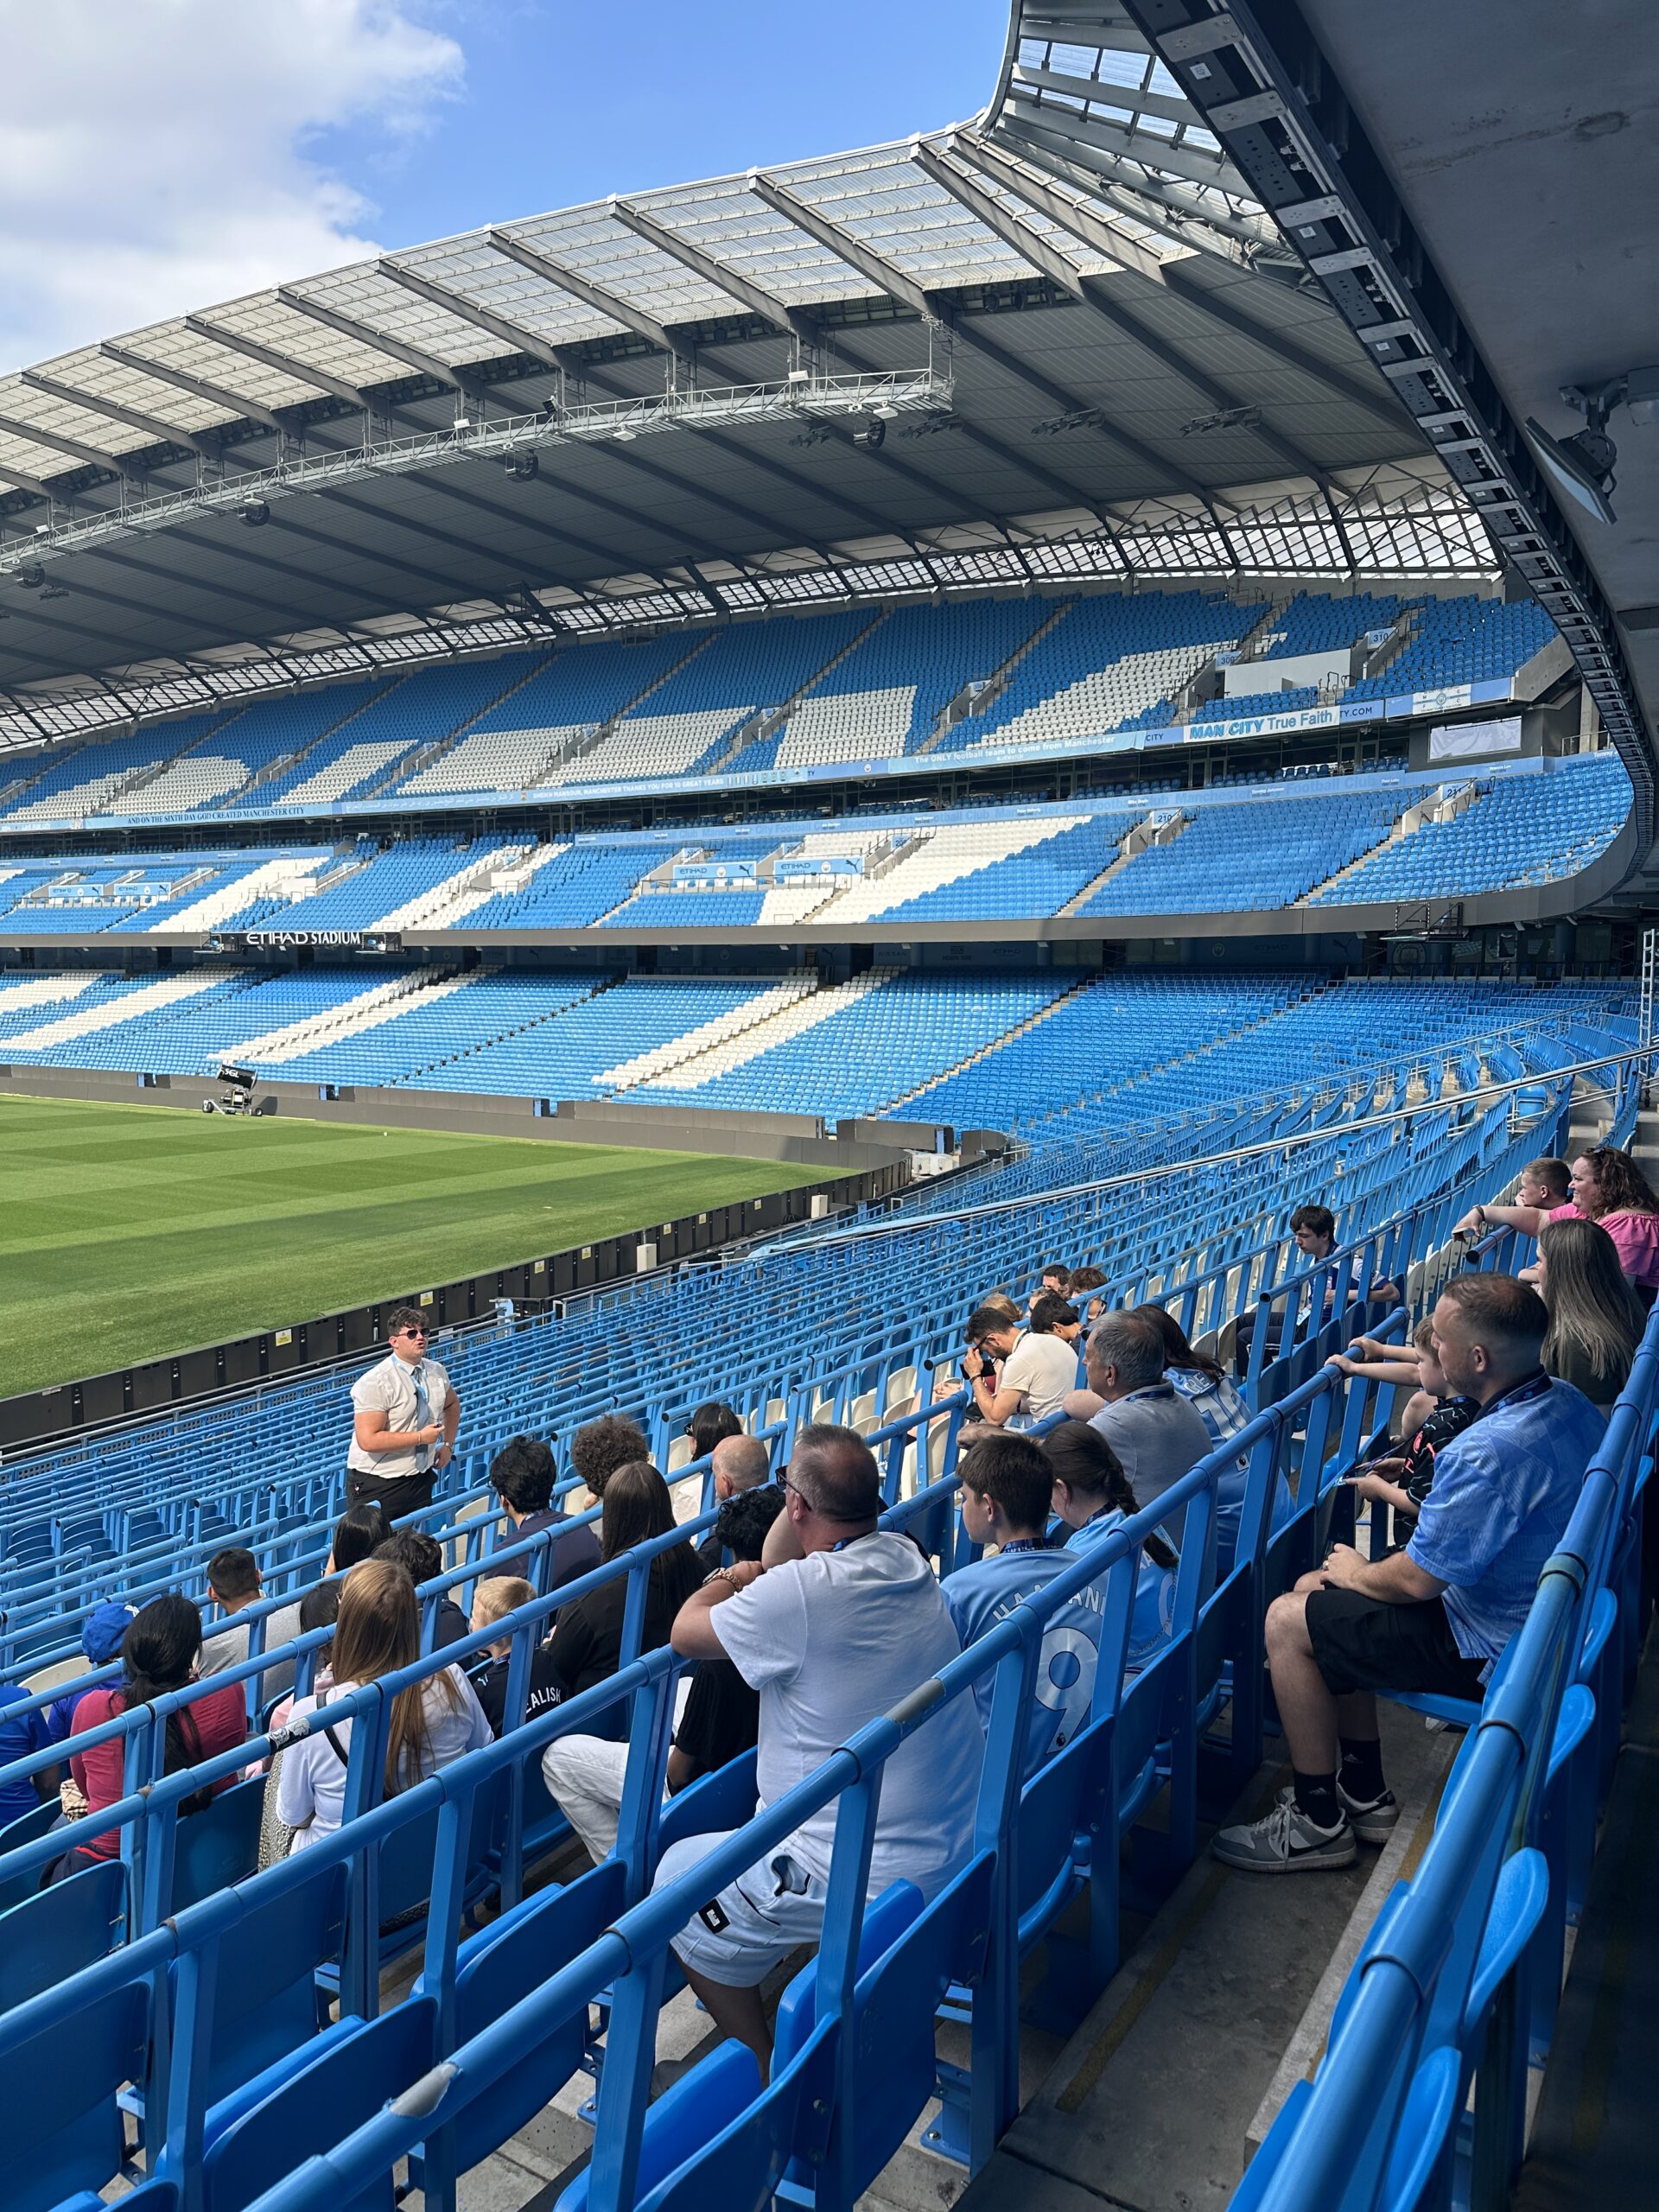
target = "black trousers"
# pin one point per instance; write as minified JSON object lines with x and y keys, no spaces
{"x":403,"y":1494}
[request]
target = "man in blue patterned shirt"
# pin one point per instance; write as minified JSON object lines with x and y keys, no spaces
{"x":1436,"y":1617}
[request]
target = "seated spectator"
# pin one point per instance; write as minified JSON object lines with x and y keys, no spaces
{"x":1607,"y":1186}
{"x":1091,"y":1496}
{"x":319,"y":1608}
{"x":233,"y":1585}
{"x":586,"y":1645}
{"x":159,"y":1654}
{"x":709,"y":1423}
{"x":1085,"y":1283}
{"x":1007,"y":1486}
{"x":423,"y":1557}
{"x":22,"y":1734}
{"x":1433,"y":1416}
{"x":1596,"y":1318}
{"x":741,"y":1464}
{"x":719,"y":1713}
{"x":600,"y":1446}
{"x":1545,"y":1186}
{"x":358,"y":1533}
{"x":1056,"y":1279}
{"x":497,"y":1595}
{"x":1039,"y":1365}
{"x":100,"y":1642}
{"x":1437,"y":1616}
{"x":1314,"y":1230}
{"x":1156,"y":1435}
{"x":1220,"y":1405}
{"x":522,"y":1476}
{"x":434,"y":1722}
{"x":841,"y":1621}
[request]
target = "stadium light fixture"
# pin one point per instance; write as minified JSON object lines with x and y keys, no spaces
{"x":624,"y":436}
{"x":872,"y":437}
{"x":523,"y":467}
{"x":256,"y":514}
{"x":1582,"y":466}
{"x":886,"y":412}
{"x":32,"y":578}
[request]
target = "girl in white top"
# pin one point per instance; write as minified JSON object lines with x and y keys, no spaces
{"x":433,"y":1722}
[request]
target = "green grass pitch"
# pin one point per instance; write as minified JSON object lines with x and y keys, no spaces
{"x":128,"y":1232}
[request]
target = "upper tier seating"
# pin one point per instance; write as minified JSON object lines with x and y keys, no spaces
{"x":1105,"y":665}
{"x":865,"y":685}
{"x":1463,"y":640}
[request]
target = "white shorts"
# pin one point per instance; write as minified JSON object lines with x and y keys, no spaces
{"x":772,"y":1909}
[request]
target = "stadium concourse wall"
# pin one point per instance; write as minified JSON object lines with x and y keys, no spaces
{"x":868,"y":1170}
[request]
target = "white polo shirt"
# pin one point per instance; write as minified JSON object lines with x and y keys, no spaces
{"x":410,"y":1397}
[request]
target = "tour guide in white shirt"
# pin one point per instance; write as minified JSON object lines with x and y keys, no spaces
{"x":404,"y":1419}
{"x":838,"y":1621}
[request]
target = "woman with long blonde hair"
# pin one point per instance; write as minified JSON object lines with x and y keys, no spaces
{"x":432,"y":1722}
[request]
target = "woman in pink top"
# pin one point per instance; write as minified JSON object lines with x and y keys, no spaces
{"x":1608,"y":1187}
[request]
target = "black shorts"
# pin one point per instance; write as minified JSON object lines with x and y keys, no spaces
{"x":403,"y":1494}
{"x":1360,"y":1643}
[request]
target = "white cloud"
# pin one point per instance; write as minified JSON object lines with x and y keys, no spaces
{"x":158,"y":156}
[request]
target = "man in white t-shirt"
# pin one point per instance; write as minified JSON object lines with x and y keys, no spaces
{"x":837,"y":1623}
{"x":1039,"y":1364}
{"x":405,"y":1416}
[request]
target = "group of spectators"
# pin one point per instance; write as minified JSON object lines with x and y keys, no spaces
{"x":802,"y":1619}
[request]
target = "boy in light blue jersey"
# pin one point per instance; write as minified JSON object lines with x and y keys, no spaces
{"x":1008,"y":1483}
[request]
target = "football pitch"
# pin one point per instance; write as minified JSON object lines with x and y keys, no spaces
{"x":127,"y":1232}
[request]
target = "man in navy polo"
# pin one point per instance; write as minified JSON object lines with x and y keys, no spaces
{"x":1436,"y":1617}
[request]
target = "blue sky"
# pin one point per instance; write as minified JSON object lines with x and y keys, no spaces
{"x":166,"y":154}
{"x":561,"y":102}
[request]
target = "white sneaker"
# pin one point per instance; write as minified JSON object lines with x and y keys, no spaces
{"x":1285,"y":1842}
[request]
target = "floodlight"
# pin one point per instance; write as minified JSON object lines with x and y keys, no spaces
{"x":523,"y":467}
{"x":887,"y":411}
{"x":800,"y":376}
{"x":1582,"y":466}
{"x":873,"y":437}
{"x":462,"y":423}
{"x":256,"y":514}
{"x":32,"y":578}
{"x":624,"y":436}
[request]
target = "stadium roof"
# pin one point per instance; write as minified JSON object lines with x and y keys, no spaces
{"x":1061,"y":341}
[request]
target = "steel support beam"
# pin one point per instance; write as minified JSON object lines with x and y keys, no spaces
{"x":553,"y":271}
{"x":1060,"y":270}
{"x":1285,"y":120}
{"x":214,"y":395}
{"x":1063,"y":209}
{"x":898,"y":286}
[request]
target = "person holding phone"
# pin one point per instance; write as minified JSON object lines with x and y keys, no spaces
{"x":405,"y":1417}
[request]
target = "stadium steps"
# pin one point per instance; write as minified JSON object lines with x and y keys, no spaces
{"x":278,"y":879}
{"x":785,"y":1022}
{"x":994,"y":1045}
{"x":652,"y":1066}
{"x":601,"y":984}
{"x":1404,"y":631}
{"x":409,"y":764}
{"x":1161,"y":827}
{"x":923,"y":867}
{"x":274,"y":769}
{"x":766,"y":722}
{"x":587,"y":741}
{"x":170,"y":990}
{"x":959,"y":709}
{"x":381,"y":1002}
{"x":47,"y":990}
{"x":1443,"y":803}
{"x":446,"y":903}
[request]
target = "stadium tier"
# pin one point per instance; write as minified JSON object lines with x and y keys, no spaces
{"x":1323,"y":841}
{"x":784,"y":698}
